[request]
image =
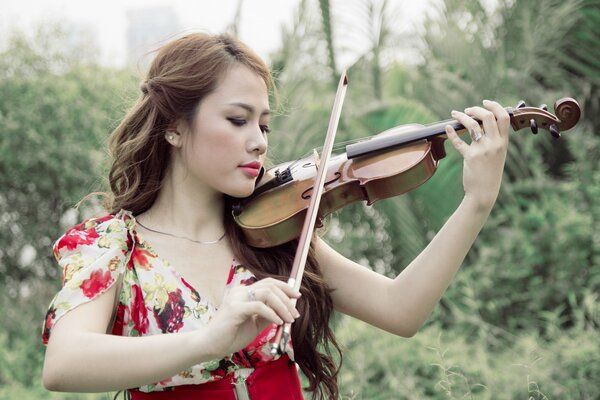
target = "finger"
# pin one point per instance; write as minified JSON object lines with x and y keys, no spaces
{"x":502,"y":117}
{"x":290,"y":304}
{"x":282,"y":307}
{"x":488,"y":119}
{"x":260,"y":309}
{"x":287,"y":289}
{"x":456,"y":141}
{"x":470,"y":124}
{"x":275,"y":298}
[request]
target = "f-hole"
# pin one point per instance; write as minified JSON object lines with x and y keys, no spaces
{"x":307,"y":193}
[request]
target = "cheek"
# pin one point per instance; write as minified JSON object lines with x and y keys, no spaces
{"x":211,"y":152}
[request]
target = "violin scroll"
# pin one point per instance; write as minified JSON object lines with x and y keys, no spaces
{"x":567,"y":112}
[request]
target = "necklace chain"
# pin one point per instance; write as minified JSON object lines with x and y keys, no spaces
{"x":182,"y":237}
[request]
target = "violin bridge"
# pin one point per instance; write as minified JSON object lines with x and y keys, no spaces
{"x":317,"y":159}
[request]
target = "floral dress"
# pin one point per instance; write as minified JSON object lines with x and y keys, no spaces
{"x":153,"y":299}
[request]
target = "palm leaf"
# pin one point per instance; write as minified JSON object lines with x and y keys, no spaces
{"x":327,"y":24}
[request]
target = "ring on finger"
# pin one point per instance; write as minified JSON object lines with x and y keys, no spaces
{"x":251,"y":294}
{"x":476,"y":133}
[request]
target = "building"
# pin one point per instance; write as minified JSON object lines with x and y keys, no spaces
{"x":147,"y":29}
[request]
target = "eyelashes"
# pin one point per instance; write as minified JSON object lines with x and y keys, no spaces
{"x":241,"y":122}
{"x":237,"y":121}
{"x":265,"y":128}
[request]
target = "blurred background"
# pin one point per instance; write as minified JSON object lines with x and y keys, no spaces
{"x":522,"y":318}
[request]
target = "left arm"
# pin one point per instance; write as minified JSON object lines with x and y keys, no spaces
{"x":402,"y":305}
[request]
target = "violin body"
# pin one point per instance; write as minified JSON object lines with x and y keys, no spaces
{"x":276,"y":216}
{"x":386,"y":165}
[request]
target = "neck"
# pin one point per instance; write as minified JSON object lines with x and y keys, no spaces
{"x":186,"y":209}
{"x":400,"y":136}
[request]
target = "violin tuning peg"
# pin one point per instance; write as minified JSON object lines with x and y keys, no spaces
{"x":521,"y":104}
{"x":554,"y":131}
{"x":544,"y":107}
{"x":533,"y":126}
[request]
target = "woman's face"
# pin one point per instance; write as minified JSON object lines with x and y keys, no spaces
{"x":227,"y":143}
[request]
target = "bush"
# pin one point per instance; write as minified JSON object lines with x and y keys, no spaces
{"x":451,"y":364}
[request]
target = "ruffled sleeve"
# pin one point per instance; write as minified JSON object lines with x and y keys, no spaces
{"x":92,"y":255}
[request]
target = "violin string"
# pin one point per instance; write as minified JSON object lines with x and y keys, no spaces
{"x":296,"y":163}
{"x":339,"y":145}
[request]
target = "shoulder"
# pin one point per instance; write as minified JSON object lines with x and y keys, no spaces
{"x":100,"y":232}
{"x":92,"y":255}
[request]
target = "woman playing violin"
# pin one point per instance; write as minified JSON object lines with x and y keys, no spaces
{"x":163,"y":297}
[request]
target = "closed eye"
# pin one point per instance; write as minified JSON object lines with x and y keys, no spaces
{"x":241,"y":122}
{"x":237,"y":121}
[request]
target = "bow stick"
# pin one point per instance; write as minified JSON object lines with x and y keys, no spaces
{"x":281,"y":338}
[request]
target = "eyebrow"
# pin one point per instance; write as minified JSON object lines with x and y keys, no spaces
{"x":249,"y":108}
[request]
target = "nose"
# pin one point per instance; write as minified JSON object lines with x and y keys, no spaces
{"x":257,"y":141}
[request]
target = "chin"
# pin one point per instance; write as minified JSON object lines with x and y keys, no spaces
{"x":240,"y":192}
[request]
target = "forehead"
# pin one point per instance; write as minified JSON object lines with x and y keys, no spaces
{"x":241,"y":84}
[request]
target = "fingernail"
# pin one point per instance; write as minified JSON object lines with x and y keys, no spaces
{"x":454,"y":112}
{"x":296,"y":314}
{"x":467,"y":109}
{"x":486,"y":102}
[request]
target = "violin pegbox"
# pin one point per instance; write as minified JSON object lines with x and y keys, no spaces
{"x":567,"y":114}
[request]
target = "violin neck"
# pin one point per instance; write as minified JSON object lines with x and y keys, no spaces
{"x":391,"y":140}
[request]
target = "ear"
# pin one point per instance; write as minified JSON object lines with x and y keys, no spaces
{"x":173,"y":134}
{"x":173,"y":138}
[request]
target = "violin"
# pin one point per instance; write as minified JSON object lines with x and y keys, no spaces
{"x":388,"y":164}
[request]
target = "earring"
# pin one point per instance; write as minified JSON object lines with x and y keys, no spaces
{"x":170,"y":137}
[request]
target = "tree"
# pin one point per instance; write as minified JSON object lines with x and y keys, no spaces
{"x":56,"y":110}
{"x":525,"y":263}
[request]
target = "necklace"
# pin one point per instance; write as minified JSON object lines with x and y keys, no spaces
{"x":182,"y":237}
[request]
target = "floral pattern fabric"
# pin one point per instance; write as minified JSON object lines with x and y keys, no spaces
{"x":153,"y":299}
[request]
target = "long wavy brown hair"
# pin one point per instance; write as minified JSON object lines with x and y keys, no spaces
{"x":183,"y":72}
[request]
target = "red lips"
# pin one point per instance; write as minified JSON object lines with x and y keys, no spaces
{"x":252,"y":169}
{"x":253,"y":164}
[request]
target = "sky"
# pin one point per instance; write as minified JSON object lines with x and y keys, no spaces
{"x":259,"y":28}
{"x":260,"y":25}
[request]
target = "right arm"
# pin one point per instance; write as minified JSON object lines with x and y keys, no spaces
{"x":81,"y":357}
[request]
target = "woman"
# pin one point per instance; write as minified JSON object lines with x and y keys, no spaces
{"x":199,"y":324}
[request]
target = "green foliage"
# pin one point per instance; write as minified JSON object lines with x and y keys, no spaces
{"x":56,"y":110}
{"x":539,"y":247}
{"x":328,"y":31}
{"x":17,"y":391}
{"x":55,"y":114}
{"x":542,"y":254}
{"x":459,"y":364}
{"x":21,"y":349}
